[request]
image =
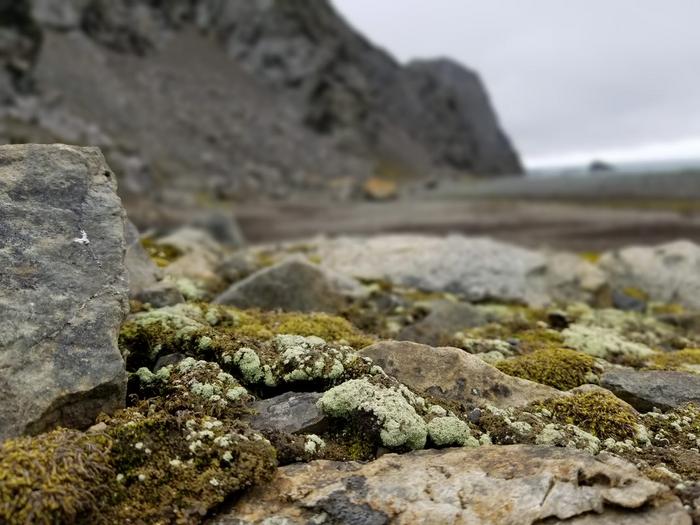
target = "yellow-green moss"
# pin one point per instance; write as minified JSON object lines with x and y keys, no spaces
{"x":265,"y":325}
{"x":598,"y":412}
{"x":161,"y":254}
{"x":53,"y":478}
{"x":558,"y":367}
{"x":679,"y":360}
{"x":591,"y":257}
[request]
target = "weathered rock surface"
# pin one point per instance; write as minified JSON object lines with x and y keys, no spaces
{"x":142,"y":271}
{"x":453,"y":374}
{"x":63,"y":288}
{"x":647,"y":389}
{"x":289,"y":412}
{"x":496,"y":485}
{"x":668,"y":273}
{"x":293,"y":285}
{"x":475,"y":268}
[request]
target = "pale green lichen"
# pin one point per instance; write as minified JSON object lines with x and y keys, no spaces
{"x":393,"y":408}
{"x":604,"y":343}
{"x":313,"y":444}
{"x":449,"y":431}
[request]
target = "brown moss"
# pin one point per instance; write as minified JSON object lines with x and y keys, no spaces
{"x":53,"y":478}
{"x":558,"y":367}
{"x":598,"y":412}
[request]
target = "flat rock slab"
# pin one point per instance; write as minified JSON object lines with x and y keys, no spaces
{"x":63,"y":288}
{"x":647,"y":389}
{"x":494,"y":485}
{"x":452,"y":374}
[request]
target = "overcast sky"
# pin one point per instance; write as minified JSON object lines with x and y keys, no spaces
{"x":570,"y":79}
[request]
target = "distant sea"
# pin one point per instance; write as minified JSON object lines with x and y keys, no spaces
{"x":631,"y":168}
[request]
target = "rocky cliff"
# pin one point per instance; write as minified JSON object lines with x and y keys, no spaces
{"x":236,"y":98}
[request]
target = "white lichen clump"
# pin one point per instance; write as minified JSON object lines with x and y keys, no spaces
{"x":393,"y":408}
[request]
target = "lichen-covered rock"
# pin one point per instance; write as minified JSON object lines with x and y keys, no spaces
{"x":604,"y":343}
{"x":64,"y":288}
{"x":490,"y":485}
{"x":452,"y":375}
{"x":294,"y":286}
{"x":667,"y":273}
{"x":649,"y":389}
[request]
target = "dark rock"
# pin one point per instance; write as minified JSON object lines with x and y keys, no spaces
{"x":64,"y":288}
{"x":160,"y":294}
{"x":142,"y":271}
{"x":443,"y":320}
{"x":293,"y":412}
{"x":623,"y":300}
{"x":649,"y":389}
{"x":167,"y":360}
{"x":293,"y":285}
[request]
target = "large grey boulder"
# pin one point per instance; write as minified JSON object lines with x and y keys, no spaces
{"x":649,"y":389}
{"x":668,"y":273}
{"x":493,"y":485}
{"x":451,"y":374}
{"x":63,"y":288}
{"x":293,"y":285}
{"x":476,"y":268}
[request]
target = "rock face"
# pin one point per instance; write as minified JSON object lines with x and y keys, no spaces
{"x":668,"y":273}
{"x":293,"y":285}
{"x":63,"y":288}
{"x":647,"y":389}
{"x":454,"y":375}
{"x":312,"y":96}
{"x":289,"y":412}
{"x":504,"y":485}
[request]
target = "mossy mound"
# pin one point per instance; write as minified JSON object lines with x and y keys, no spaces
{"x":684,"y":360}
{"x":200,"y":329}
{"x":170,"y":458}
{"x":598,"y":412}
{"x":174,"y":468}
{"x":678,"y":428}
{"x":57,"y":477}
{"x":558,"y":367}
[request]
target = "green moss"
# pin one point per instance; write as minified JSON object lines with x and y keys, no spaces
{"x":53,"y":478}
{"x":636,"y":293}
{"x":161,"y":254}
{"x":265,"y":325}
{"x":392,"y":408}
{"x":558,"y":367}
{"x":680,"y":360}
{"x":598,"y":412}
